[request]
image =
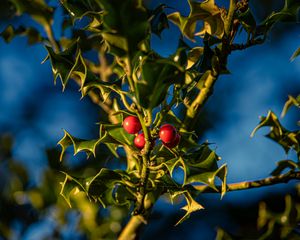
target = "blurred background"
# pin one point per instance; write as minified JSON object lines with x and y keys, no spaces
{"x":33,"y":112}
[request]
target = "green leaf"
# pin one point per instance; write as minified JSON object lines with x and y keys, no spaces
{"x":272,"y":121}
{"x":78,"y":9}
{"x":70,"y":186}
{"x":101,"y":186}
{"x":171,"y":164}
{"x":118,"y":133}
{"x":191,"y":207}
{"x":63,"y":63}
{"x":158,"y":19}
{"x":279,"y":224}
{"x":209,"y":178}
{"x":105,"y":88}
{"x":247,"y":20}
{"x":88,"y":146}
{"x":286,"y":139}
{"x":284,"y":164}
{"x":201,"y":157}
{"x":10,"y":32}
{"x":70,"y":63}
{"x":124,"y":32}
{"x":37,"y":9}
{"x":194,"y":55}
{"x":289,"y":13}
{"x":222,"y":235}
{"x":206,"y":11}
{"x":290,"y":102}
{"x":105,"y":187}
{"x":295,"y":54}
{"x":157,"y":77}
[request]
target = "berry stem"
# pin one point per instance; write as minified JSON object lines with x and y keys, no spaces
{"x":144,"y":170}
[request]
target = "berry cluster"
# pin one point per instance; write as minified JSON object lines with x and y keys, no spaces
{"x":167,"y":133}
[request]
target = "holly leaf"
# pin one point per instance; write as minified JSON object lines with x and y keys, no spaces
{"x":206,"y":11}
{"x":37,"y":9}
{"x":289,"y":103}
{"x":271,"y":121}
{"x":172,"y":164}
{"x":124,"y":32}
{"x":10,"y":32}
{"x":283,"y":165}
{"x":105,"y":187}
{"x":157,"y":76}
{"x":247,"y":20}
{"x":289,"y":13}
{"x":286,"y":139}
{"x":78,"y":9}
{"x":158,"y":19}
{"x":117,"y":132}
{"x":63,"y":63}
{"x":191,"y":207}
{"x":209,"y":178}
{"x":88,"y":146}
{"x":70,"y":187}
{"x":295,"y":54}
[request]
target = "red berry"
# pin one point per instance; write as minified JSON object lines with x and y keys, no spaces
{"x":132,"y":124}
{"x":173,"y":143}
{"x":167,"y":133}
{"x":139,"y":141}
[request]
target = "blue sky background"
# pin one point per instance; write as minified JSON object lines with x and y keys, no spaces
{"x":35,"y":111}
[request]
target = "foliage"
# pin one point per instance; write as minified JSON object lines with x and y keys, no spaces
{"x":132,"y":79}
{"x":30,"y":206}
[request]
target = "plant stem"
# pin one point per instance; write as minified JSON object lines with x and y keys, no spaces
{"x":282,"y":178}
{"x":131,"y":230}
{"x":50,"y":34}
{"x":229,"y":18}
{"x":200,"y":100}
{"x":145,"y":170}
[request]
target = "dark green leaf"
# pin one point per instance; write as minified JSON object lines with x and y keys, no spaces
{"x":37,"y":9}
{"x":157,"y":77}
{"x":289,"y":13}
{"x":247,"y":20}
{"x":158,"y":20}
{"x":71,"y":186}
{"x":105,"y":187}
{"x":10,"y":32}
{"x":78,"y":9}
{"x":124,"y":32}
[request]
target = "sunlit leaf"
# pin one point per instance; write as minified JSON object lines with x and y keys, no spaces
{"x":289,"y":103}
{"x":88,"y":146}
{"x":205,"y":11}
{"x":191,"y":207}
{"x":283,"y":165}
{"x":270,"y":121}
{"x":295,"y":54}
